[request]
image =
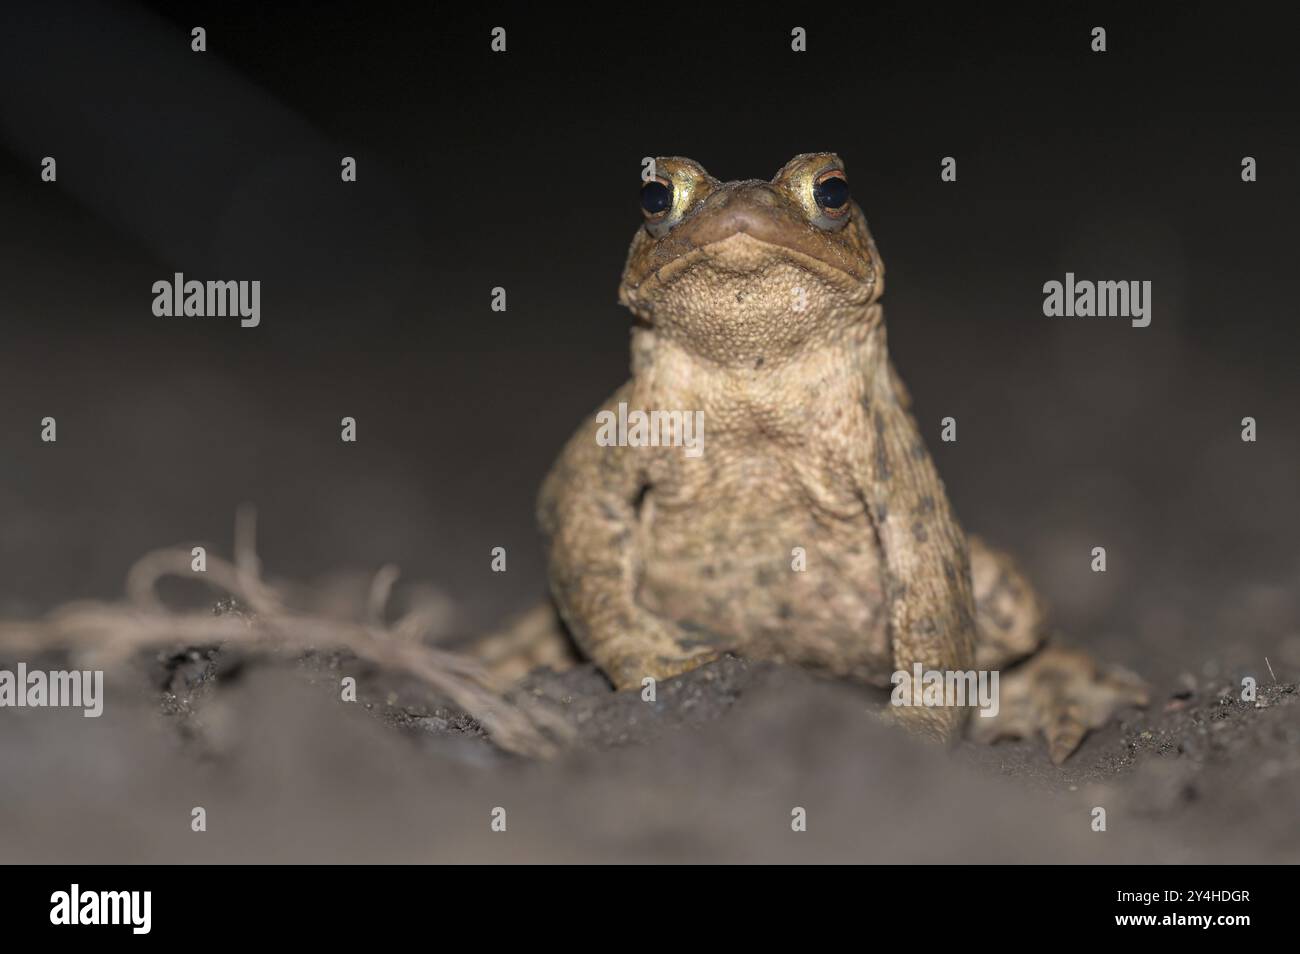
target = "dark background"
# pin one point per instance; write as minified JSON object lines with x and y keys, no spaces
{"x":521,"y":170}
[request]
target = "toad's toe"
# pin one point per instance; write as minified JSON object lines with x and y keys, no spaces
{"x":1064,"y":694}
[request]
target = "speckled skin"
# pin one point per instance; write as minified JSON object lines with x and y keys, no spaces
{"x":761,"y":310}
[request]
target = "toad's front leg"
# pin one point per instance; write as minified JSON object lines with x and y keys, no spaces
{"x":925,"y":563}
{"x":588,"y":515}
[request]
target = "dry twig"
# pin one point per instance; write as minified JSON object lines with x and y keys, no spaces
{"x":110,"y":632}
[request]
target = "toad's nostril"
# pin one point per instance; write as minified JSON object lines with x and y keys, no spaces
{"x":740,"y":217}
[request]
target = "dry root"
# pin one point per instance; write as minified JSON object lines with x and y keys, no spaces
{"x":110,"y":632}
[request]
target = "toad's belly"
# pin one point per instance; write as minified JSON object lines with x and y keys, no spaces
{"x":770,"y":580}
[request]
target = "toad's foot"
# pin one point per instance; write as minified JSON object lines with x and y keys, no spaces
{"x":1061,"y":692}
{"x":650,"y":646}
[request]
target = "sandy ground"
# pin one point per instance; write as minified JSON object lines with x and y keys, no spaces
{"x":711,"y":771}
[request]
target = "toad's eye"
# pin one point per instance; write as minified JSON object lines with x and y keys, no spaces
{"x":656,"y":198}
{"x":831,"y":193}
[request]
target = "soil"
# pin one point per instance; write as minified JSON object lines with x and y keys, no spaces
{"x":710,"y":771}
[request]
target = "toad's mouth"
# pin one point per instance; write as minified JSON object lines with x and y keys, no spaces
{"x":750,"y":230}
{"x":764,"y":216}
{"x":757,"y":260}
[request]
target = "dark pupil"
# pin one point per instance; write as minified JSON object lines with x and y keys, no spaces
{"x":831,"y":193}
{"x":656,"y":197}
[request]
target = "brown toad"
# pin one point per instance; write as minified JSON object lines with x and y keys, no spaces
{"x":810,"y":526}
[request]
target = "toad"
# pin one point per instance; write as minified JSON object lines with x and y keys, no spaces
{"x":811,"y":527}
